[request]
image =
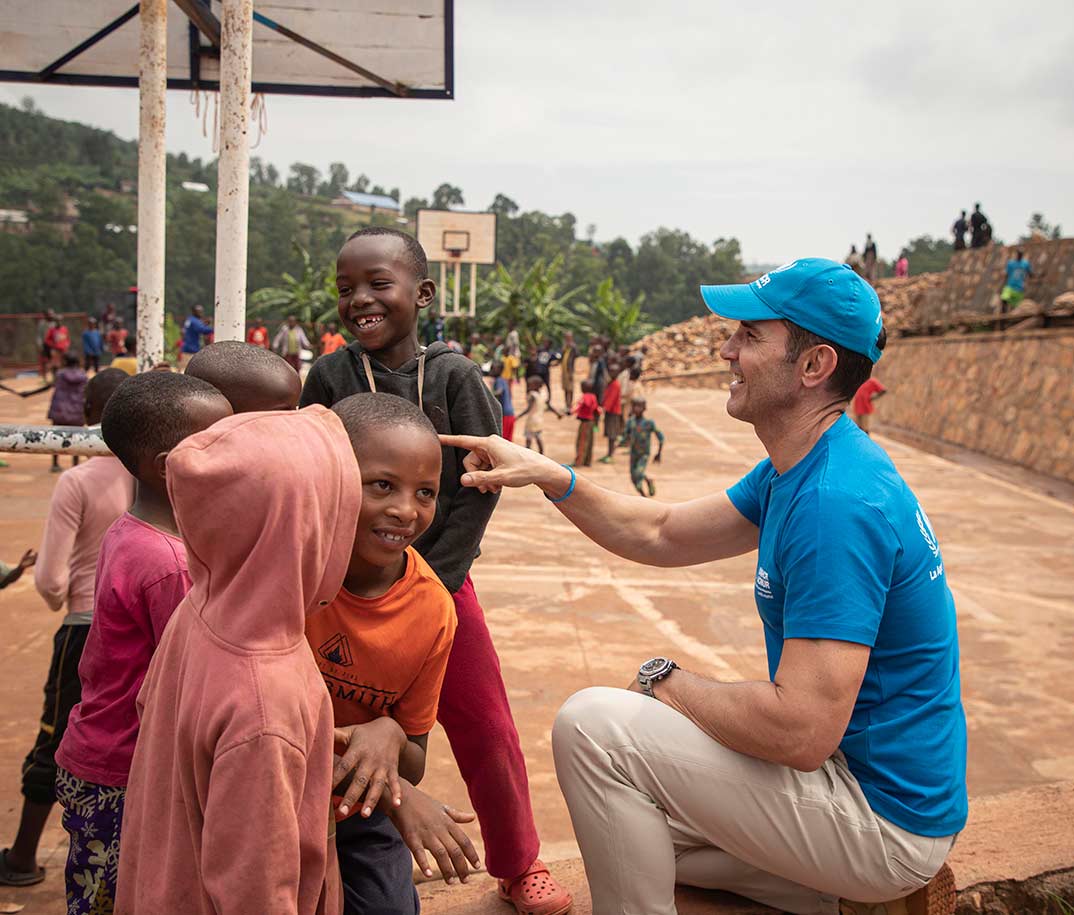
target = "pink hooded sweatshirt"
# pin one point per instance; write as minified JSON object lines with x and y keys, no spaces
{"x":227,"y":808}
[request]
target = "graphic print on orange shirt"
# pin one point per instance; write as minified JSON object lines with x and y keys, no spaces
{"x":386,"y":655}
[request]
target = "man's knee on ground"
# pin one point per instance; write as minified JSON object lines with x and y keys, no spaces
{"x":589,"y":711}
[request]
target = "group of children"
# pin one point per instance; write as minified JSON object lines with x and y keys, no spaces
{"x":280,"y":613}
{"x":614,"y":380}
{"x":54,"y":343}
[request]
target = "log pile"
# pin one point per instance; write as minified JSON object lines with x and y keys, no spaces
{"x":902,"y":299}
{"x":689,"y":346}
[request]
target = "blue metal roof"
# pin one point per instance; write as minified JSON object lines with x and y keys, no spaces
{"x":380,"y":201}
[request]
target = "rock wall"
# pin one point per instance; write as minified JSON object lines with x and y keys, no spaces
{"x":974,"y":278}
{"x":1010,"y":396}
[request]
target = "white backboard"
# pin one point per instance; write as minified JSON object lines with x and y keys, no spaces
{"x":452,"y":236}
{"x":406,"y":43}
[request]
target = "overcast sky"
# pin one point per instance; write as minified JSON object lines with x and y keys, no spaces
{"x":795,"y":127}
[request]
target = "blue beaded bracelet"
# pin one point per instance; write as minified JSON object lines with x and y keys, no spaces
{"x":570,"y":489}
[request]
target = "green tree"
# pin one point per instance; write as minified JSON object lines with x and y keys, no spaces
{"x":503,"y":205}
{"x":530,"y":301}
{"x":304,"y":179}
{"x":306,"y":296}
{"x":447,"y":196}
{"x":1038,"y":225}
{"x":413,"y":204}
{"x":612,"y":315}
{"x":337,"y":180}
{"x":928,"y":255}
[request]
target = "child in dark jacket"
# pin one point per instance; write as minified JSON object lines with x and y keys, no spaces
{"x":65,"y":409}
{"x":383,"y":283}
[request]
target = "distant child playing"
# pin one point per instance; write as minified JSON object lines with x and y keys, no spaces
{"x":501,"y":390}
{"x":251,"y":377}
{"x":332,"y":339}
{"x":227,"y":809}
{"x":638,"y":434}
{"x":613,"y":409}
{"x":92,"y":346}
{"x":587,"y":410}
{"x":534,"y":412}
{"x":141,"y":577}
{"x":67,"y":407}
{"x":382,"y":646}
{"x":383,"y":282}
{"x":86,"y":500}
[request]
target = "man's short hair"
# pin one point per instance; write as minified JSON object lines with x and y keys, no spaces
{"x":364,"y":415}
{"x":147,"y":414}
{"x":852,"y":369}
{"x":415,"y":253}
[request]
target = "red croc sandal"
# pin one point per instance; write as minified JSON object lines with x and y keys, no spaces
{"x":535,"y":892}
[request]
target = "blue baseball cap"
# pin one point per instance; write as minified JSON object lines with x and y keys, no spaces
{"x":824,"y":297}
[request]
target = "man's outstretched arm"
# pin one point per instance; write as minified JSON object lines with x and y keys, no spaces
{"x":652,"y":533}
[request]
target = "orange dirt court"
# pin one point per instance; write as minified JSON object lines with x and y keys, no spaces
{"x":566,"y":615}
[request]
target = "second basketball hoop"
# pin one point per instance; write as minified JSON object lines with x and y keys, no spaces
{"x":453,"y":237}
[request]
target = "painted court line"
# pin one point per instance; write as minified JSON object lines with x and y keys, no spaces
{"x":704,"y":433}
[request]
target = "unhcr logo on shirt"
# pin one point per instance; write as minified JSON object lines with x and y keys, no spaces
{"x":764,"y":586}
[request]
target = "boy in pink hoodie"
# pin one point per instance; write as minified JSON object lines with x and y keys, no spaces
{"x":227,"y":807}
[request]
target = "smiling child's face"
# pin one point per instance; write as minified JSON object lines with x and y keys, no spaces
{"x":400,"y":482}
{"x":380,"y":295}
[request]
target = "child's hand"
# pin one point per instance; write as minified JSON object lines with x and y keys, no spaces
{"x":372,"y":757}
{"x":28,"y":559}
{"x":425,"y":823}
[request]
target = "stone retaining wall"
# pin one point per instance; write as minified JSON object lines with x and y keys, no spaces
{"x":1010,"y":396}
{"x":974,"y":278}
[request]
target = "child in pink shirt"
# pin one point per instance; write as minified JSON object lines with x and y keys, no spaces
{"x":87,"y":499}
{"x":141,"y":578}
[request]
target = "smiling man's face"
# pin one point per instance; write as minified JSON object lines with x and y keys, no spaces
{"x":763,"y":380}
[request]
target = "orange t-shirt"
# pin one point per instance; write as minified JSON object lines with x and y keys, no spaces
{"x":387,"y":655}
{"x":331,"y":342}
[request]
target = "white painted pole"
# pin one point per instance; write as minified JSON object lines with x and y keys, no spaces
{"x":458,"y":284}
{"x":233,"y":181}
{"x":443,"y":289}
{"x":152,"y":160}
{"x":473,"y":290}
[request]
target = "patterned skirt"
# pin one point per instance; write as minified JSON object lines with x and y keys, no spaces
{"x":92,"y":816}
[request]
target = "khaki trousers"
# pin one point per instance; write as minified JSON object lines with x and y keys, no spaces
{"x":655,"y":801}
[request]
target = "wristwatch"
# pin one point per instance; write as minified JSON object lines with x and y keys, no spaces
{"x":653,"y":671}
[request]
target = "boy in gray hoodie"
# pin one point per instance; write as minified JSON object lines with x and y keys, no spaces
{"x":383,"y":283}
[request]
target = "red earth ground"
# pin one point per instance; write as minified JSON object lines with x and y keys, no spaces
{"x":566,"y":615}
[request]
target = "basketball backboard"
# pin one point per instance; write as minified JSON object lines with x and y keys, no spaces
{"x":453,"y":236}
{"x":457,"y":237}
{"x":392,"y":48}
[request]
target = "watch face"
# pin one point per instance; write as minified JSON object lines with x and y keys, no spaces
{"x":653,"y":666}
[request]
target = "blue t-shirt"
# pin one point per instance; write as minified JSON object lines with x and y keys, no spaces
{"x":1017,"y":271}
{"x":847,"y":553}
{"x":193,"y":330}
{"x":92,"y":345}
{"x":502,"y":390}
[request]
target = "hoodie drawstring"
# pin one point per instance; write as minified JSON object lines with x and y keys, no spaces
{"x":421,"y":376}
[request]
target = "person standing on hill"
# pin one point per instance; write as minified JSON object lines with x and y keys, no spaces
{"x":902,"y":265}
{"x":959,"y":230}
{"x":1018,"y":269}
{"x":855,"y":262}
{"x":980,"y":232}
{"x":870,"y":258}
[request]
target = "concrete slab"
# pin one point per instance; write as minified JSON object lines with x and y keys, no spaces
{"x":566,"y":615}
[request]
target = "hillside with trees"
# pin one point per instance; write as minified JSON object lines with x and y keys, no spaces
{"x":77,"y":188}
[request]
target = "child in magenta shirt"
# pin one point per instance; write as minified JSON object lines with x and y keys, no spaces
{"x":141,"y":577}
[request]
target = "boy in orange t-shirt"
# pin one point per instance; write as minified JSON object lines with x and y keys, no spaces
{"x":382,"y":647}
{"x":332,"y":339}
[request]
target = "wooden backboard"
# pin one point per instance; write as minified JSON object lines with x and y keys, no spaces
{"x":452,"y":236}
{"x":407,"y":45}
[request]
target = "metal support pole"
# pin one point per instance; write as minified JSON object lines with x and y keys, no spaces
{"x":473,"y":290}
{"x":152,"y":159}
{"x":458,"y":284}
{"x":61,"y":440}
{"x":443,"y":289}
{"x":233,"y":183}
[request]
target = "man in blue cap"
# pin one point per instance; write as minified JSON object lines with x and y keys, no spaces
{"x":842,"y":776}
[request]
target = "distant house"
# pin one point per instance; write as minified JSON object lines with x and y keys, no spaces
{"x":15,"y":222}
{"x":366,"y":203}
